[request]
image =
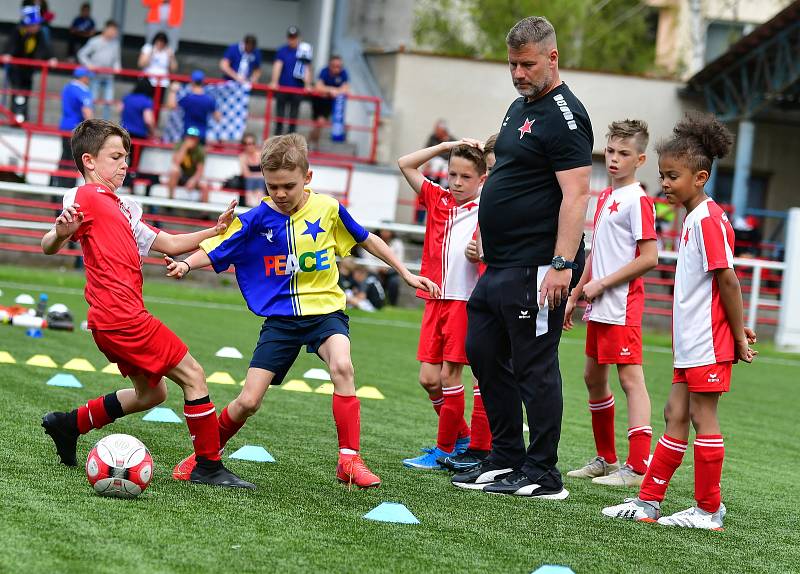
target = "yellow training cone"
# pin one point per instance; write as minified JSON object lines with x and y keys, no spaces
{"x":298,"y":385}
{"x":325,"y":389}
{"x":79,"y":365}
{"x":369,"y":393}
{"x":6,"y":357}
{"x":111,"y":369}
{"x":221,"y":378}
{"x":41,"y":361}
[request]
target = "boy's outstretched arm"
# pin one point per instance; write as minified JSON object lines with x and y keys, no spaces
{"x":180,"y":269}
{"x":379,"y":249}
{"x":67,"y":223}
{"x":731,"y":294}
{"x":169,"y":244}
{"x":644,"y":262}
{"x":410,"y":163}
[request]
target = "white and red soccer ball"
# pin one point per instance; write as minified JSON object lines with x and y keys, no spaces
{"x":119,"y":465}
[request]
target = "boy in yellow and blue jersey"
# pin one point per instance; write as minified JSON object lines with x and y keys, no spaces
{"x":284,"y":252}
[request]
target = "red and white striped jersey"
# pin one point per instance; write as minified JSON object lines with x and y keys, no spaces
{"x":448,"y":230}
{"x":701,"y":334}
{"x":624,"y":216}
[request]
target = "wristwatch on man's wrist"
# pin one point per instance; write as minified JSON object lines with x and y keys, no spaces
{"x":560,"y":263}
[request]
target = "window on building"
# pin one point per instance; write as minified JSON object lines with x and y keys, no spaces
{"x":720,"y":35}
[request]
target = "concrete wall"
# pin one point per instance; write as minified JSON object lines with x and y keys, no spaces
{"x":474,"y":95}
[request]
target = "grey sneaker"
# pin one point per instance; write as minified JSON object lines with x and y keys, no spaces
{"x":696,"y":518}
{"x":594,"y":468}
{"x":635,"y":509}
{"x":625,"y":477}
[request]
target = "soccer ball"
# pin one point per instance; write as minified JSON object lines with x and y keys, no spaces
{"x":119,"y":465}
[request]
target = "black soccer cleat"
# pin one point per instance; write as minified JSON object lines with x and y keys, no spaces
{"x":468,"y":460}
{"x":480,"y":476}
{"x":58,"y":427}
{"x":219,"y":476}
{"x":518,"y":484}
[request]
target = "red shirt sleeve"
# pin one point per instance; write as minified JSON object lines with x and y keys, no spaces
{"x":717,"y":244}
{"x":643,"y":221}
{"x":429,"y":193}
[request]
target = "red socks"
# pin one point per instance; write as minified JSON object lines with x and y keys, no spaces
{"x":451,"y":419}
{"x":639,"y":439}
{"x":201,"y":418}
{"x":98,"y":412}
{"x":481,"y":438}
{"x":437,"y":403}
{"x":666,"y":460}
{"x":603,"y":427}
{"x":347,"y":416}
{"x":709,"y":451}
{"x":227,"y":427}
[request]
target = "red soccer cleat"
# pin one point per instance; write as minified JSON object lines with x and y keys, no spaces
{"x":352,"y":470}
{"x":183,"y":470}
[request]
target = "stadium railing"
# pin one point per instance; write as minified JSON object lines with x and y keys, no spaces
{"x":40,"y":95}
{"x":26,"y":211}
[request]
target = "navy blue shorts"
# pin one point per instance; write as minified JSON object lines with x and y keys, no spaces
{"x":282,"y":337}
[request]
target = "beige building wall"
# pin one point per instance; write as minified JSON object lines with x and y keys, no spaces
{"x":674,"y":41}
{"x":474,"y":95}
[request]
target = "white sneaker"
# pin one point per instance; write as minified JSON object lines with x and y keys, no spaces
{"x":594,"y":468}
{"x":635,"y":509}
{"x":696,"y":518}
{"x":625,"y":476}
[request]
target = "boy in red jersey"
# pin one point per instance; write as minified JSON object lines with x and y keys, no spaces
{"x":708,"y":331}
{"x":452,"y":219}
{"x":113,"y":238}
{"x":623,"y":250}
{"x":480,"y":443}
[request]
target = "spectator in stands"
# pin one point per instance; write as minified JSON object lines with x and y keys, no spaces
{"x":440,"y":134}
{"x":103,"y":51}
{"x":198,"y":107}
{"x":389,"y":279}
{"x":291,"y":69}
{"x":136,"y":116}
{"x":436,"y":169}
{"x":164,"y":16}
{"x":188,"y":164}
{"x":250,"y":166}
{"x":25,"y":41}
{"x":81,"y":29}
{"x":47,"y":17}
{"x":333,"y":81}
{"x":76,"y":106}
{"x":355,"y":282}
{"x":242,"y":61}
{"x":158,"y":59}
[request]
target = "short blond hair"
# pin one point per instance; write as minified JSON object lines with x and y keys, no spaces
{"x":289,"y":152}
{"x":636,"y":129}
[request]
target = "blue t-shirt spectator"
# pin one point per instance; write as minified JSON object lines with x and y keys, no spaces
{"x":294,"y":61}
{"x":333,"y":80}
{"x":196,"y":110}
{"x":74,"y":97}
{"x":242,"y":61}
{"x":83,"y":24}
{"x":132,"y":118}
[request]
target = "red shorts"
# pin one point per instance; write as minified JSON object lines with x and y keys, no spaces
{"x":714,"y":378}
{"x":614,"y":344}
{"x":148,"y":348}
{"x":444,"y":332}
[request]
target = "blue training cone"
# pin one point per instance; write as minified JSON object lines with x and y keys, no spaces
{"x":162,"y":415}
{"x":34,"y":333}
{"x":553,"y":569}
{"x":392,"y":512}
{"x":64,"y":380}
{"x":253,"y":453}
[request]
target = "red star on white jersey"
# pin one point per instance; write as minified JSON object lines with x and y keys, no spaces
{"x":470,"y":205}
{"x":526,"y":127}
{"x":614,"y":207}
{"x":686,"y":238}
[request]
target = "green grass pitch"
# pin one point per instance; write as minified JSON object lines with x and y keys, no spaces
{"x":301,"y":520}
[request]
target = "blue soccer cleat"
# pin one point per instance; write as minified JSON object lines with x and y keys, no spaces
{"x":462,"y":445}
{"x":426,"y":461}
